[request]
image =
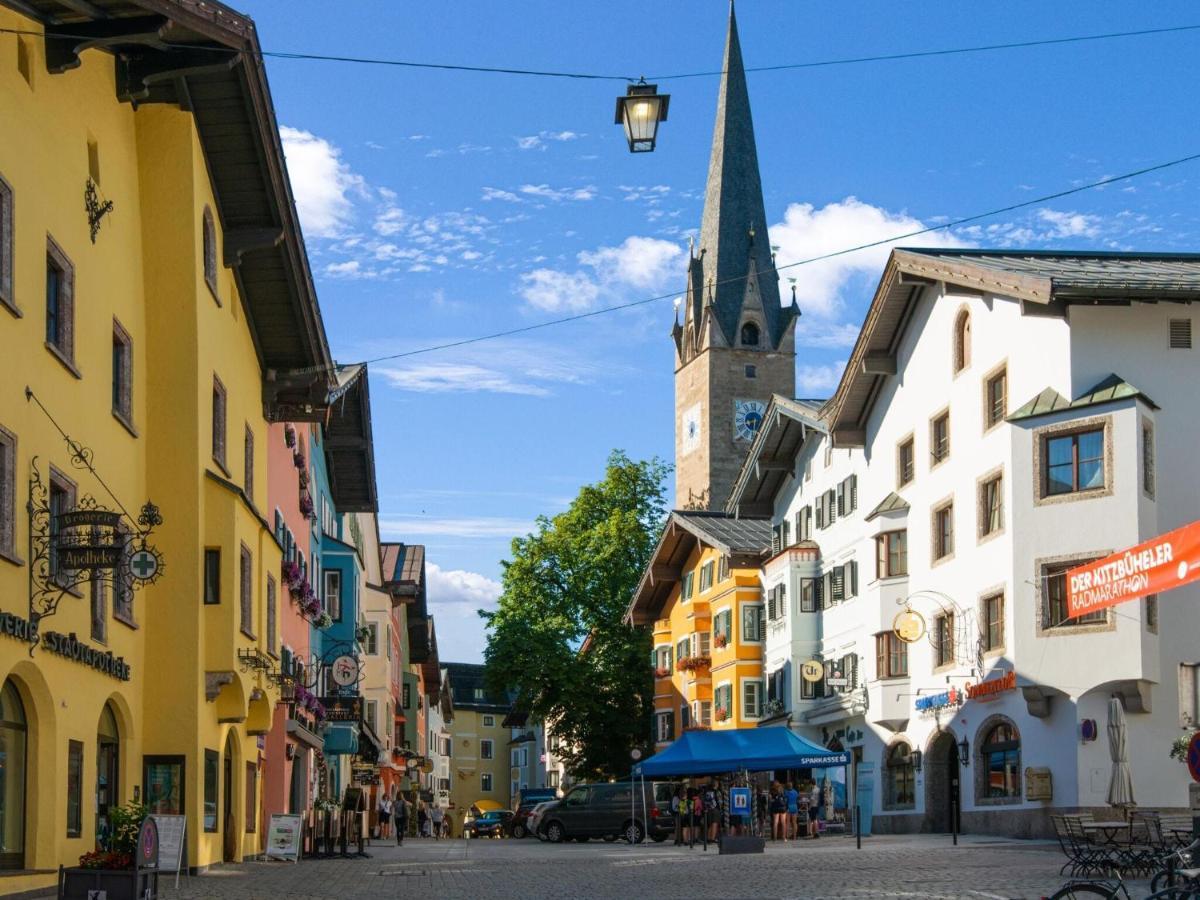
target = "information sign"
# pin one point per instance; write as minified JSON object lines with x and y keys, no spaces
{"x":283,"y":837}
{"x":172,"y":843}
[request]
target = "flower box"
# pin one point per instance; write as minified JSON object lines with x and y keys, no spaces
{"x":660,"y":672}
{"x":721,"y":714}
{"x":78,"y":883}
{"x":720,"y":640}
{"x":298,"y":460}
{"x":695,"y":663}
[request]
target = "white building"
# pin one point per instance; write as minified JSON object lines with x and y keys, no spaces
{"x":440,"y":749}
{"x":1003,"y":417}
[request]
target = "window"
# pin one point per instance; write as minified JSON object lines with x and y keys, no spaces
{"x":1054,"y":610}
{"x":943,"y":531}
{"x":939,"y":437}
{"x":122,"y":374}
{"x":682,"y":648}
{"x":24,"y":59}
{"x":664,"y":726}
{"x":723,"y":569}
{"x":751,"y":372}
{"x":891,"y":554}
{"x":212,"y":576}
{"x":752,"y":622}
{"x":489,"y":721}
{"x":905,"y":463}
{"x":1074,"y":462}
{"x":991,"y":506}
{"x":248,"y":461}
{"x":722,"y":627}
{"x":99,"y":609}
{"x":6,"y":245}
{"x":702,"y":713}
{"x":212,"y":767}
{"x":749,"y":335}
{"x":995,"y":399}
{"x":477,"y":693}
{"x":552,"y":779}
{"x":487,"y":749}
{"x":272,"y":617}
{"x":993,"y":623}
{"x":962,"y":341}
{"x":1148,"y":458}
{"x":74,"y":789}
{"x":723,"y":702}
{"x":485,"y":782}
{"x":1150,"y":602}
{"x":847,"y":495}
{"x":1189,"y":715}
{"x":809,"y":594}
{"x":1000,"y":753}
{"x":372,"y":711}
{"x":943,"y":640}
{"x":900,"y":777}
{"x":251,"y":796}
{"x":210,"y":252}
{"x":776,"y":603}
{"x":706,"y":576}
{"x":686,"y":587}
{"x":1180,"y":334}
{"x":218,"y":422}
{"x":828,"y":452}
{"x":60,"y":303}
{"x":246,"y":591}
{"x":891,"y":656}
{"x":62,"y":499}
{"x":662,"y":660}
{"x":371,"y":639}
{"x":406,"y":696}
{"x":8,"y":493}
{"x":752,"y":697}
{"x":333,"y":594}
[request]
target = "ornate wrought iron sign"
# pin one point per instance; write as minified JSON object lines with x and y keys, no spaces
{"x":96,"y":209}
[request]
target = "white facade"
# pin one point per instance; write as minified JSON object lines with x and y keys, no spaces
{"x":1141,"y":463}
{"x":439,"y":747}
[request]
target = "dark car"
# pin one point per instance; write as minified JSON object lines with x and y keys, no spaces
{"x":608,"y":810}
{"x":518,"y":826}
{"x":490,"y":824}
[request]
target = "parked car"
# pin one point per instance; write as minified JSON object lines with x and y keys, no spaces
{"x":526,"y":801}
{"x":534,"y":822}
{"x":489,"y":824}
{"x":607,"y":810}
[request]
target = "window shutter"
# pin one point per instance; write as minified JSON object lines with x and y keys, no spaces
{"x":775,"y":539}
{"x":820,"y":515}
{"x":837,"y":582}
{"x":827,"y":589}
{"x":850,"y":669}
{"x":787,"y":533}
{"x":853,"y":492}
{"x":852,"y":578}
{"x":841,"y":498}
{"x":1181,"y":334}
{"x":771,"y":604}
{"x":818,"y":593}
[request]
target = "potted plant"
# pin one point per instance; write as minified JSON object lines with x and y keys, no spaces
{"x":720,"y":640}
{"x":303,"y":479}
{"x":291,"y":575}
{"x":306,"y":506}
{"x":298,"y":459}
{"x":112,"y":869}
{"x":1180,"y":746}
{"x":721,"y":713}
{"x":661,"y":672}
{"x":324,"y":620}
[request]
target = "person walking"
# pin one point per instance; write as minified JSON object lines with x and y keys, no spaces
{"x":438,"y":817}
{"x":400,"y":815}
{"x":422,"y":819}
{"x":792,"y":797}
{"x":385,"y":815}
{"x":677,"y":813}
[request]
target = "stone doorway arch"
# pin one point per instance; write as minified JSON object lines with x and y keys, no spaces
{"x":943,"y":784}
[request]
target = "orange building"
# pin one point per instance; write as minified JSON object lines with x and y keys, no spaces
{"x":700,"y":594}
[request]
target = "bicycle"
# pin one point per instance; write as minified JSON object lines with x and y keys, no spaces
{"x":1165,"y":878}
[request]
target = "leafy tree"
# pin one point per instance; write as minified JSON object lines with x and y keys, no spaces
{"x":557,"y":639}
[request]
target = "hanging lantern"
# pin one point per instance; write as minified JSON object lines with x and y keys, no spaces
{"x":640,"y":111}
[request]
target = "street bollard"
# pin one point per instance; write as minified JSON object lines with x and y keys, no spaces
{"x":858,"y":826}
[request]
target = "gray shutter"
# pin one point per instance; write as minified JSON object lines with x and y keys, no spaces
{"x":853,"y":491}
{"x":775,"y":540}
{"x":837,"y":582}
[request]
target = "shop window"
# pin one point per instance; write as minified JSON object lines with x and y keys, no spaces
{"x":60,"y":304}
{"x":1000,"y":761}
{"x":6,"y":246}
{"x":212,"y":779}
{"x":272,"y":617}
{"x":13,"y":732}
{"x":74,"y":789}
{"x":485,"y":782}
{"x":900,"y":777}
{"x":891,"y":656}
{"x":906,"y":469}
{"x":891,"y":554}
{"x":163,"y":777}
{"x":1073,"y":463}
{"x":939,"y":438}
{"x":212,"y":576}
{"x":943,"y":531}
{"x":962,"y":341}
{"x":8,"y":493}
{"x":246,"y":591}
{"x":995,"y":398}
{"x":993,"y":623}
{"x":210,"y":253}
{"x":218,"y":422}
{"x":1054,"y":606}
{"x":943,"y":640}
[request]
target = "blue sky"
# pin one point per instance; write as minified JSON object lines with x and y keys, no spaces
{"x":439,"y":206}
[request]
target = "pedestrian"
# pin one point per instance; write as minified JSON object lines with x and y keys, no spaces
{"x":422,"y":819}
{"x":385,"y":815}
{"x":438,"y":816}
{"x":712,"y":811}
{"x":691,"y":828}
{"x":778,"y":813}
{"x":792,"y":796}
{"x":400,"y":815}
{"x":677,"y":813}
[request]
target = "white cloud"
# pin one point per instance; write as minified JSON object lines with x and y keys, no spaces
{"x":538,"y":141}
{"x":322,"y":183}
{"x":460,"y":586}
{"x":389,"y":221}
{"x":552,"y":290}
{"x":640,"y":263}
{"x":807,"y":232}
{"x":818,"y":381}
{"x":826,"y":335}
{"x":519,"y":367}
{"x":556,"y":195}
{"x":455,"y":598}
{"x":1069,"y":224}
{"x":491,"y":193}
{"x":351,"y":268}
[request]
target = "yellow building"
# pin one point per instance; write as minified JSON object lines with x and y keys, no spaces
{"x":159,"y":333}
{"x":479,"y":743}
{"x":701,"y":597}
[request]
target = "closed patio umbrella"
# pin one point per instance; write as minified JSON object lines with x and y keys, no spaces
{"x":1120,"y":785}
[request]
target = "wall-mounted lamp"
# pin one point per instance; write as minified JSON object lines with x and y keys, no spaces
{"x":916,"y":760}
{"x":964,"y":752}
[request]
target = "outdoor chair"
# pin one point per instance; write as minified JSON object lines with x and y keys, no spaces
{"x":1094,"y":859}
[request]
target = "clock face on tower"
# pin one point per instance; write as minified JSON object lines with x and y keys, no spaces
{"x":690,"y":429}
{"x":747,"y":418}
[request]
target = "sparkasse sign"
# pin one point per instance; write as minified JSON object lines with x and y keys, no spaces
{"x":1159,"y":564}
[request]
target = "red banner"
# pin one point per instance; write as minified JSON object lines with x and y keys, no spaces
{"x":1159,"y":564}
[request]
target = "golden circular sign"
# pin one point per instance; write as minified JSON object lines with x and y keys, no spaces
{"x":812,"y":670}
{"x":909,"y":626}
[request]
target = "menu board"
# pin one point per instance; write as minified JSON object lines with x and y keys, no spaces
{"x":283,"y":837}
{"x":172,"y":843}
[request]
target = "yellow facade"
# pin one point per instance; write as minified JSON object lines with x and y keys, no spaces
{"x":468,"y":767}
{"x":188,"y":697}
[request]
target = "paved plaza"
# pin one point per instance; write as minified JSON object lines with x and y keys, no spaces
{"x":925,"y":866}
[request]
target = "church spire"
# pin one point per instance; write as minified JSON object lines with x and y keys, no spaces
{"x":733,"y":206}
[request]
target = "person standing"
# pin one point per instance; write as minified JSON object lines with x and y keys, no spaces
{"x":385,"y":815}
{"x":400,"y":815}
{"x":712,"y":811}
{"x":438,"y":817}
{"x":778,"y":813}
{"x":677,"y":813}
{"x":792,"y":796}
{"x":422,"y":819}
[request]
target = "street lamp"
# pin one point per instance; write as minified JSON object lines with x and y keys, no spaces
{"x":964,"y":751}
{"x":640,"y":111}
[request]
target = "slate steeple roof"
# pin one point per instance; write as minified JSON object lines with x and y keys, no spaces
{"x":733,"y":232}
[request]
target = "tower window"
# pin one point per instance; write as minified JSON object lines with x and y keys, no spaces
{"x":751,"y":372}
{"x":749,"y":335}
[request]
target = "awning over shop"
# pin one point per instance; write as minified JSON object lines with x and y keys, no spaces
{"x":752,"y":749}
{"x":341,"y":739}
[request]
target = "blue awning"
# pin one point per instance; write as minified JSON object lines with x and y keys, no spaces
{"x":341,"y":739}
{"x":731,"y":750}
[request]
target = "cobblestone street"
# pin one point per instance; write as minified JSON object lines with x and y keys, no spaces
{"x":919,"y":866}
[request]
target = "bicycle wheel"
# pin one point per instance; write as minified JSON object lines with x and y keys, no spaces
{"x":1089,"y":889}
{"x":1175,"y":893}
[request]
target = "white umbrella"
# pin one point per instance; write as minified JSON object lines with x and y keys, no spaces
{"x":1120,"y":786}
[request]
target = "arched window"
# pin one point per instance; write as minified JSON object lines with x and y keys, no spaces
{"x":962,"y":341}
{"x":901,"y":777}
{"x":1000,"y":755}
{"x":12,"y":778}
{"x":749,"y":335}
{"x":108,"y":769}
{"x":210,"y":250}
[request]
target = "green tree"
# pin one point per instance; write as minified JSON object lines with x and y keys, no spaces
{"x":557,"y":639}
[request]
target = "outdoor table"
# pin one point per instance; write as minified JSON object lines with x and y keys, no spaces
{"x":1108,"y":834}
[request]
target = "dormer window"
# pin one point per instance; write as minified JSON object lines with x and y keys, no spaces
{"x":962,"y":341}
{"x":749,"y":335}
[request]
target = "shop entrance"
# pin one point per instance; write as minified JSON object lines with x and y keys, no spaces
{"x":12,"y":778}
{"x":942,"y":784}
{"x":227,"y":795}
{"x":108,"y":768}
{"x":298,"y":800}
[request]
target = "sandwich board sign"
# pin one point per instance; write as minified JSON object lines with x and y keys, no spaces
{"x":172,"y":844}
{"x":283,"y":837}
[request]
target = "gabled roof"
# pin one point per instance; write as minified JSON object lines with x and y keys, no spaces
{"x":1044,"y":282}
{"x":349,"y":449}
{"x":893,"y":502}
{"x":465,"y":679}
{"x":772,"y":457}
{"x":1112,"y":387}
{"x":745,"y":540}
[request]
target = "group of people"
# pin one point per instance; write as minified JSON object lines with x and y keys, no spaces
{"x":792,"y":808}
{"x":393,"y":812}
{"x":697,"y":813}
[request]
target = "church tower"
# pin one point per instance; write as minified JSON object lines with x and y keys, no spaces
{"x":736,"y":344}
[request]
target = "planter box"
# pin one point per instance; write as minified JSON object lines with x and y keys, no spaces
{"x":116,"y":884}
{"x":732,"y":843}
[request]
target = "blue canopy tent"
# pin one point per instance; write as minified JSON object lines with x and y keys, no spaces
{"x":737,"y":749}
